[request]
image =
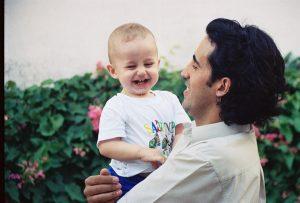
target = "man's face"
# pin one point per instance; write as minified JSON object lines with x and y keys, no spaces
{"x":199,"y":98}
{"x":136,"y":65}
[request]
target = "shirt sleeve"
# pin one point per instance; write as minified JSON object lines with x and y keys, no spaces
{"x":183,"y":178}
{"x":112,"y":121}
{"x":180,"y":114}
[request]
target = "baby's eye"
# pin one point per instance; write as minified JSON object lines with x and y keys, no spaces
{"x":131,"y":67}
{"x":148,"y":65}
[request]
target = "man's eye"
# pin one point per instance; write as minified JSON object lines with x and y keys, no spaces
{"x":195,"y":67}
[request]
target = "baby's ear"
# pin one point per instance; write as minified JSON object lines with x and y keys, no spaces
{"x":112,"y":71}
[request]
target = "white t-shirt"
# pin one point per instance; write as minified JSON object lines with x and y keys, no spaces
{"x":148,"y":122}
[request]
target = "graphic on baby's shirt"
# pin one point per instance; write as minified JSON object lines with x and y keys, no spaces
{"x":163,"y":135}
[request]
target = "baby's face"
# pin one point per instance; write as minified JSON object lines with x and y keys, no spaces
{"x":136,"y":65}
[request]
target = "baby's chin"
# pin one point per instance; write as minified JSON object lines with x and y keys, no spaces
{"x":139,"y":93}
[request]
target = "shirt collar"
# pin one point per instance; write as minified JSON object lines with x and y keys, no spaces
{"x":214,"y":130}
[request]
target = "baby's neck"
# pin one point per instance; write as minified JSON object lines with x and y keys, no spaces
{"x":148,"y":94}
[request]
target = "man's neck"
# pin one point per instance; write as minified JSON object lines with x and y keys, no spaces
{"x":200,"y":122}
{"x":208,"y":119}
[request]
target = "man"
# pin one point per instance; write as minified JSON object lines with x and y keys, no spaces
{"x":235,"y":79}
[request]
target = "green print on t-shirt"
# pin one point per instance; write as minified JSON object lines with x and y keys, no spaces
{"x":163,"y":133}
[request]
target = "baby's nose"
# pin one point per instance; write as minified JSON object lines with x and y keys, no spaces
{"x":141,"y":71}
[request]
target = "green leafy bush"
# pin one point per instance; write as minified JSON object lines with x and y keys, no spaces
{"x":51,"y":132}
{"x":279,"y":142}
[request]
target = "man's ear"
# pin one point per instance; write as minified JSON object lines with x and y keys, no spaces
{"x":112,"y":71}
{"x":223,"y":86}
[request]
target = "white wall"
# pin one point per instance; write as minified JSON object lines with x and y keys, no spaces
{"x":60,"y":38}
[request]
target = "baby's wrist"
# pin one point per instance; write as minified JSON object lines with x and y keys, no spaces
{"x":140,"y":152}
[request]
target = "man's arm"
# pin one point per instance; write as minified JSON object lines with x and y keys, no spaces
{"x":183,"y":177}
{"x":120,"y":150}
{"x":102,"y":188}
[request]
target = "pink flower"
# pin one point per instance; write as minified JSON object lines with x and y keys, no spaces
{"x":19,"y":185}
{"x":76,"y":150}
{"x":293,"y":150}
{"x":6,"y":117}
{"x":44,"y":159}
{"x":82,"y":153}
{"x":264,"y":161}
{"x":284,"y":194}
{"x":256,"y":131}
{"x":271,"y":136}
{"x":79,"y":151}
{"x":94,"y":114}
{"x":95,"y":124}
{"x":40,"y":174}
{"x":100,"y":66}
{"x":14,"y":176}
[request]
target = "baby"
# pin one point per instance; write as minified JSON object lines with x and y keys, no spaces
{"x":139,"y":126}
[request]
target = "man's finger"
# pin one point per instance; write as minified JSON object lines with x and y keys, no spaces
{"x":101,"y":179}
{"x":104,"y":172}
{"x":107,"y":197}
{"x":97,"y":189}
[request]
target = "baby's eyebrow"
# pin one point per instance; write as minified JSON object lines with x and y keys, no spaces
{"x":195,"y":60}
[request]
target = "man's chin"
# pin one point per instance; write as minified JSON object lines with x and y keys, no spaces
{"x":185,"y":105}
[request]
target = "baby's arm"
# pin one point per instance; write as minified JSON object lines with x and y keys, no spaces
{"x":120,"y":150}
{"x":178,"y":132}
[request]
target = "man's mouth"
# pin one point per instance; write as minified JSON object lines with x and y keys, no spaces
{"x":187,"y":84}
{"x":139,"y":82}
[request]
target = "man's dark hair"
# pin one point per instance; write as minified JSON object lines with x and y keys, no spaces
{"x":250,"y":58}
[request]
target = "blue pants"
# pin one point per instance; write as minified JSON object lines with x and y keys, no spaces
{"x":127,"y":182}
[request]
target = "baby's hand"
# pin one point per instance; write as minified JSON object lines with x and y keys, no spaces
{"x":151,"y":155}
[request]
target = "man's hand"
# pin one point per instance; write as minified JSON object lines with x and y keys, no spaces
{"x":102,"y":188}
{"x":151,"y":155}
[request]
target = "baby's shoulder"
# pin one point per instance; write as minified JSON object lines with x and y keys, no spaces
{"x":164,"y":93}
{"x":115,"y":101}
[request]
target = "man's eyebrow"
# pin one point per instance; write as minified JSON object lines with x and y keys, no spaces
{"x":195,"y":60}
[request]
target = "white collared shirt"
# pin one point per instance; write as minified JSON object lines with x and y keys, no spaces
{"x":211,"y":163}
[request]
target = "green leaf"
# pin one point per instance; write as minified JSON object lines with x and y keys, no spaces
{"x":68,"y":151}
{"x":74,"y":191}
{"x":53,"y":187}
{"x":297,"y":124}
{"x":60,"y":106}
{"x":60,"y":198}
{"x":287,"y":132}
{"x":55,"y":146}
{"x":283,"y":148}
{"x":47,"y":82}
{"x":45,"y":127}
{"x":40,"y":152}
{"x":48,"y":126}
{"x":12,"y":190}
{"x":57,"y":121}
{"x":289,"y":159}
{"x":12,"y":153}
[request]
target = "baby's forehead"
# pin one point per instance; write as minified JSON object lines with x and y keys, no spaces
{"x":147,"y":42}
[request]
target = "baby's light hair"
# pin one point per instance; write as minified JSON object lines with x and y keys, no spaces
{"x":126,"y":33}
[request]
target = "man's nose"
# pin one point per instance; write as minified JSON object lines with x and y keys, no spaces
{"x":184,"y":73}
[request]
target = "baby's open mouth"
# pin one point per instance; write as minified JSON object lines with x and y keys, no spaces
{"x":138,"y":82}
